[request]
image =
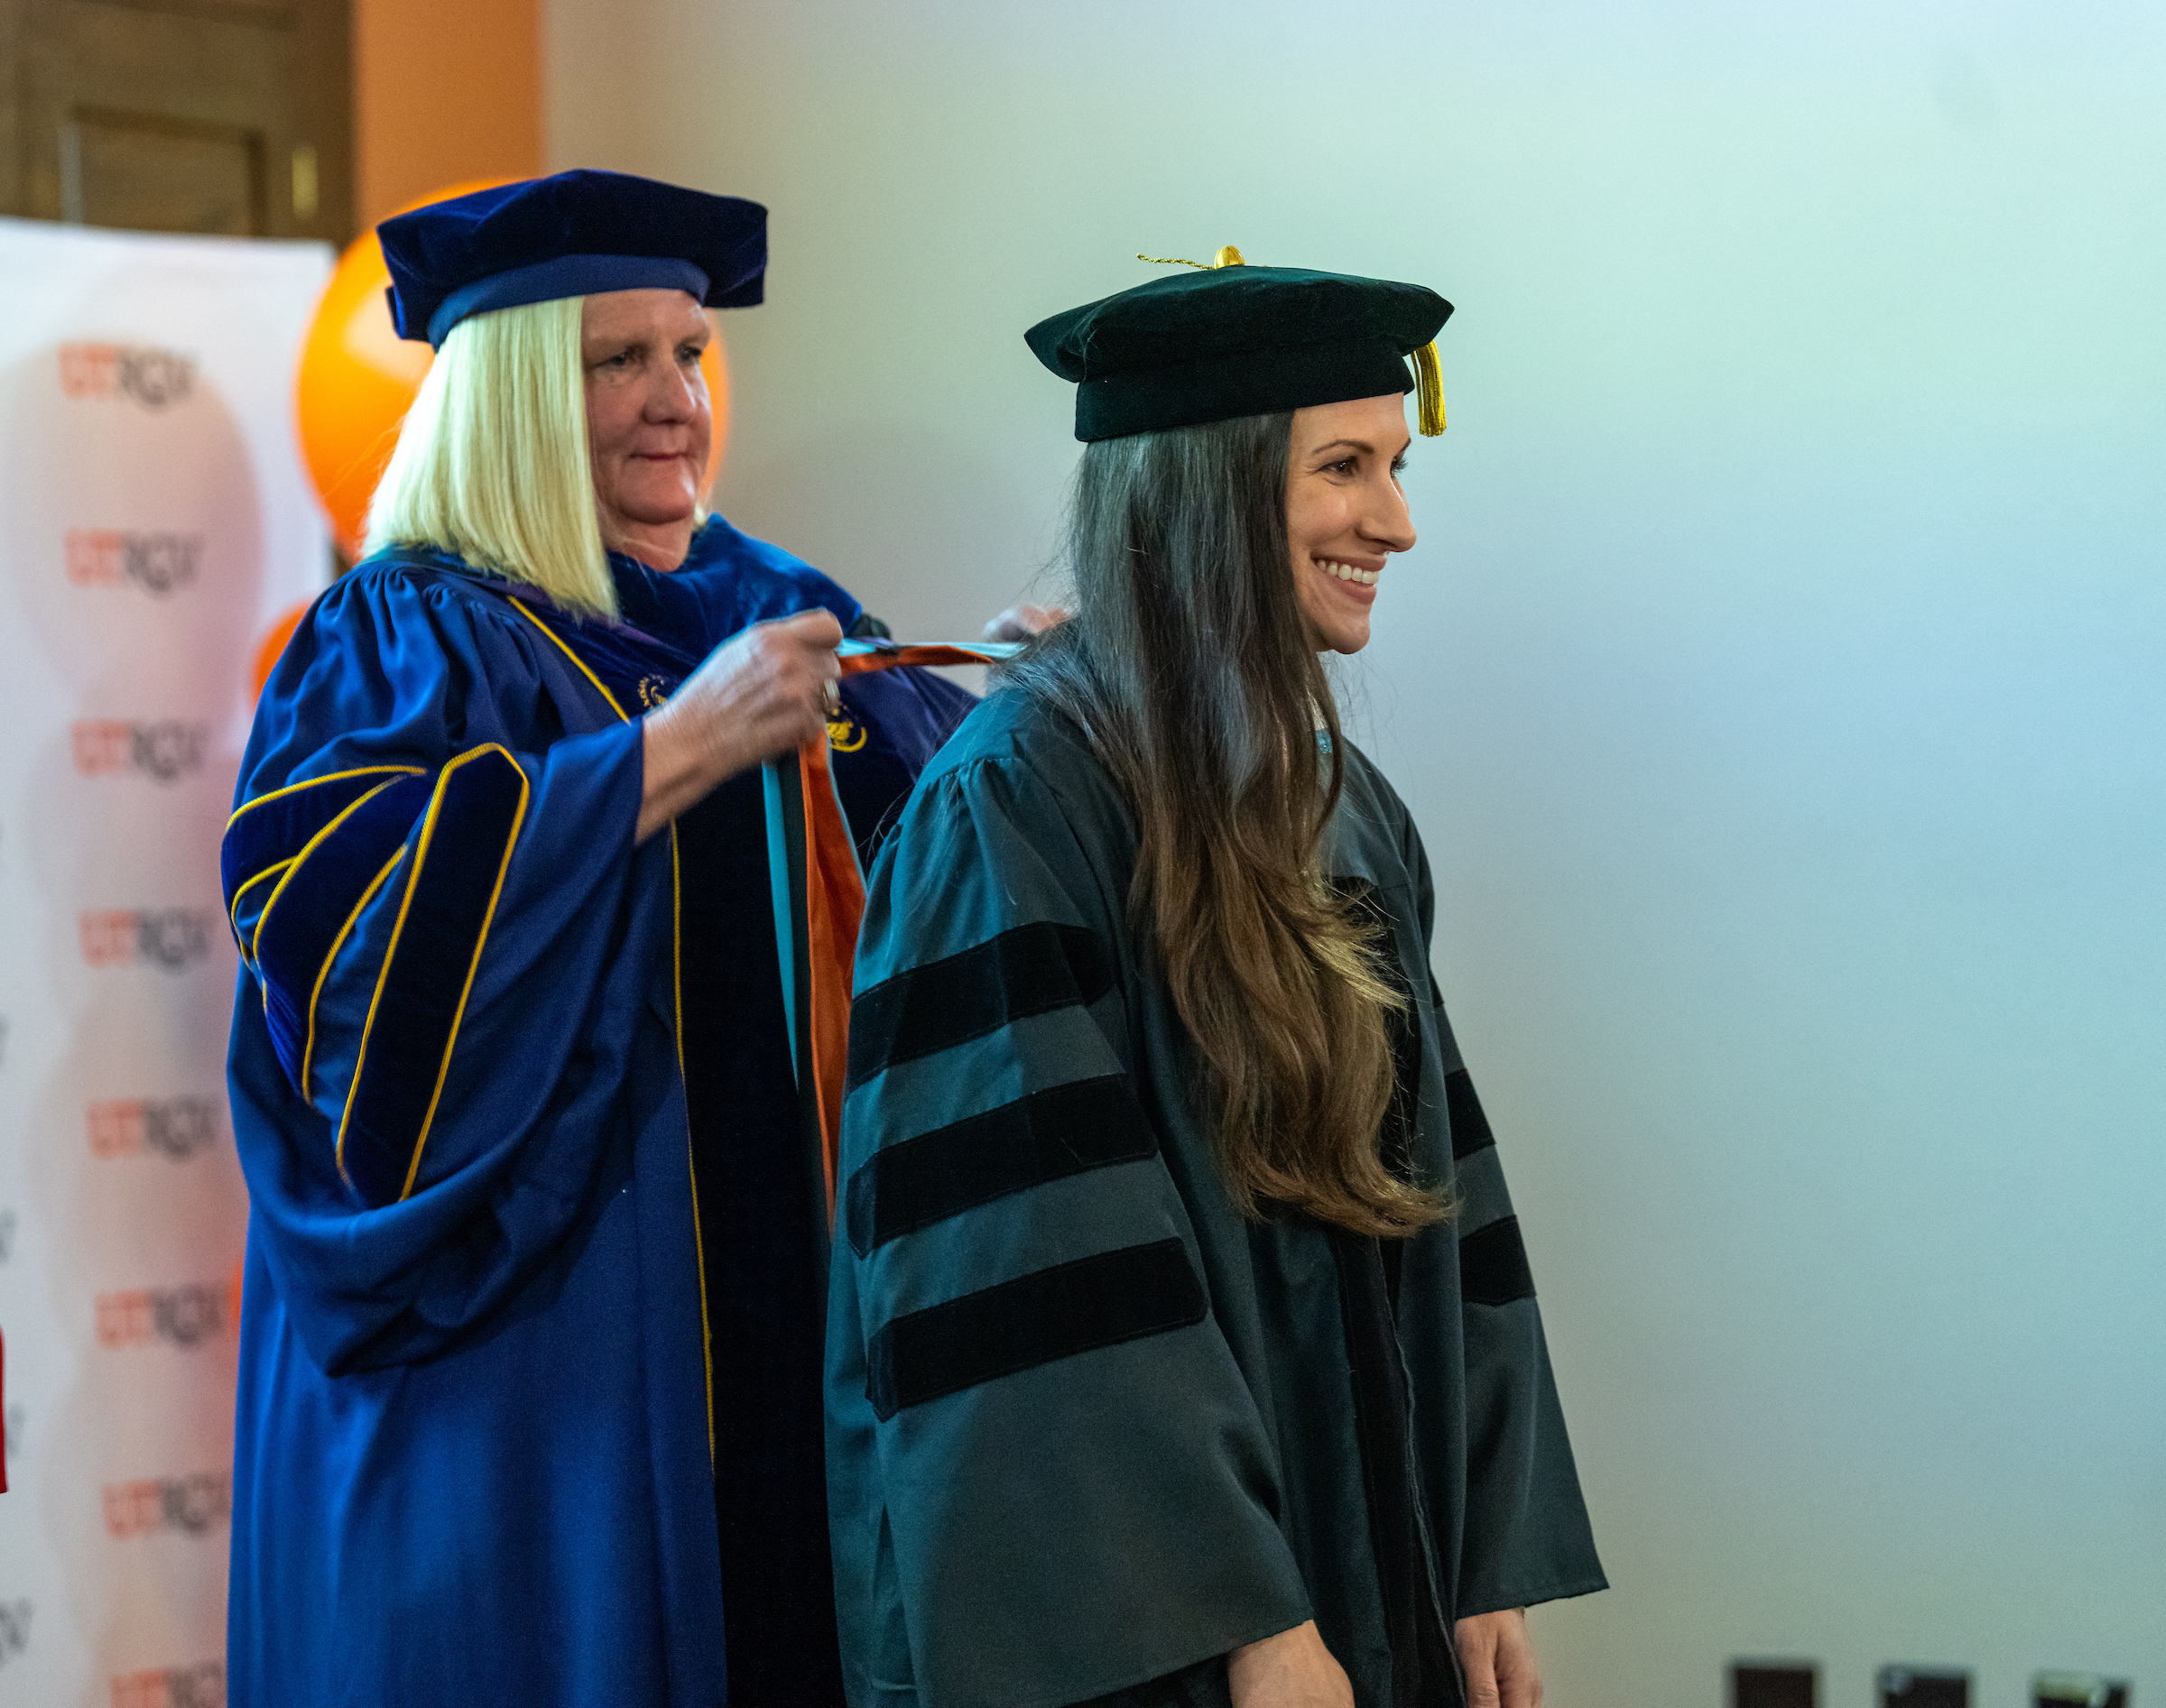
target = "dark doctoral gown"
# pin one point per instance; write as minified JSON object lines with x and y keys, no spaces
{"x":1089,"y":1429}
{"x":529,"y":1395}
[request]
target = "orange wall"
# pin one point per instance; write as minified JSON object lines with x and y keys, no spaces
{"x":443,"y":93}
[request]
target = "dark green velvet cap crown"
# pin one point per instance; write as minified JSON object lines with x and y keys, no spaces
{"x":1211,"y":345}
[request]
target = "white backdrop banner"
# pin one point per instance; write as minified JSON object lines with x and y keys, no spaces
{"x":154,"y":520}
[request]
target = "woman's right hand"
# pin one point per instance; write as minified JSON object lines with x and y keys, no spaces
{"x":1290,"y":1670}
{"x":1025,"y":622}
{"x":760,"y":694}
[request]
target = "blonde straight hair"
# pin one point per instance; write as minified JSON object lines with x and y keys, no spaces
{"x":491,"y":463}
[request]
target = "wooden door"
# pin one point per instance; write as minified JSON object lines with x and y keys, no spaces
{"x":231,"y":116}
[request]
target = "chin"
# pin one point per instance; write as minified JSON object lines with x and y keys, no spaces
{"x":659,"y":509}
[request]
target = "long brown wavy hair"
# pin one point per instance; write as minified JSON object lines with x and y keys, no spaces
{"x":1188,"y":668}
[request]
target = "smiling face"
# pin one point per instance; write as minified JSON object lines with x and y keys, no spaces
{"x":648,"y":418}
{"x":1345,"y":512}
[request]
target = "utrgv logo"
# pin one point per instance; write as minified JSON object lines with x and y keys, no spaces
{"x":143,"y":373}
{"x":165,"y":749}
{"x":170,"y":937}
{"x":158,"y":563}
{"x":176,"y":1128}
{"x":182,"y":1316}
{"x":184,"y":1506}
{"x":199,"y":1686}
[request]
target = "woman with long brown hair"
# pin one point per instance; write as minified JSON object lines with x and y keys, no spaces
{"x":1182,"y":1348}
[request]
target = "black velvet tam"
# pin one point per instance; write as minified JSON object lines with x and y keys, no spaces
{"x":1211,"y":345}
{"x":571,"y":235}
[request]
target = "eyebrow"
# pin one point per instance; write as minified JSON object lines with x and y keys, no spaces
{"x":641,"y":341}
{"x":1362,"y":446}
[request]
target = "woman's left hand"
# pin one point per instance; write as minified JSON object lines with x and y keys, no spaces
{"x":1498,"y":1657}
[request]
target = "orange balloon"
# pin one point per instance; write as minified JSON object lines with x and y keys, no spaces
{"x":273,"y":647}
{"x":358,"y":377}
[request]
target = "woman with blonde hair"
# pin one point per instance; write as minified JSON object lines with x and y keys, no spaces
{"x":1183,"y":1347}
{"x":529,"y":1381}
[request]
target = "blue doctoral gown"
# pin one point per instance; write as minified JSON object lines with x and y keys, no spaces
{"x":529,"y":1379}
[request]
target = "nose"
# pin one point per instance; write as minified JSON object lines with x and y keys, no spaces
{"x":1386,"y":522}
{"x":671,"y":400}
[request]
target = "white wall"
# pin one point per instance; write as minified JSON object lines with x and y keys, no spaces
{"x":1777,"y":681}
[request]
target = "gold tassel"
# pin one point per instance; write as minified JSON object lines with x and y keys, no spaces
{"x":1429,"y":389}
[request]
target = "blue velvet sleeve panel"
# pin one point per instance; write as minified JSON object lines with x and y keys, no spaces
{"x":1049,"y":1477}
{"x":431,"y":873}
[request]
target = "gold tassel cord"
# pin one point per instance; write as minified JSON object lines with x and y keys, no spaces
{"x":1227,"y":256}
{"x":1429,"y":389}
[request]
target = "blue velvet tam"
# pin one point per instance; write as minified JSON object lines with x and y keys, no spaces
{"x":571,"y":235}
{"x":1230,"y":339}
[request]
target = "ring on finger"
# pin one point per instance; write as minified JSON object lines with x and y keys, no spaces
{"x":831,"y":697}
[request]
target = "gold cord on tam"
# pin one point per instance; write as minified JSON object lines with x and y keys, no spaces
{"x":1227,"y":256}
{"x":1428,"y":389}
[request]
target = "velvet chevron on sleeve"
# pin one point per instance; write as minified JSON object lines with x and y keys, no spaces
{"x":1088,"y":1428}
